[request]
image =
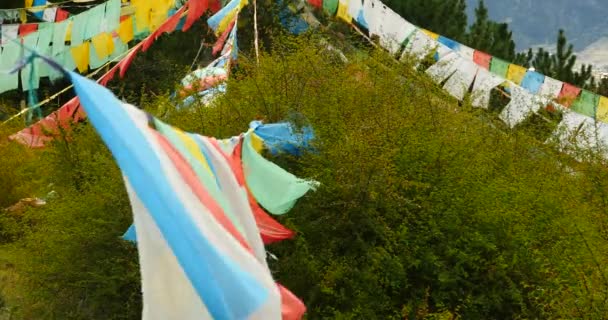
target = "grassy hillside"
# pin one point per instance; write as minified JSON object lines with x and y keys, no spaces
{"x":427,"y":209}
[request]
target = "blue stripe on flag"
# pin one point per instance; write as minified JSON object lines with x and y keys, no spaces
{"x":227,"y":291}
{"x":449,"y":43}
{"x":214,"y":21}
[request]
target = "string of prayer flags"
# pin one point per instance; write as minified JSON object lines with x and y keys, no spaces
{"x":36,"y":135}
{"x":586,"y":103}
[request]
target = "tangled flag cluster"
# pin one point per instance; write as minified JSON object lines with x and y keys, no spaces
{"x":199,"y":229}
{"x":43,"y":131}
{"x":461,"y":70}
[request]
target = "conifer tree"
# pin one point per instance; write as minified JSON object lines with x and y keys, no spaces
{"x":561,"y":64}
{"x":491,"y":37}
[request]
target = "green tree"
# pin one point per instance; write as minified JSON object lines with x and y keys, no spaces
{"x":561,"y":64}
{"x":491,"y":37}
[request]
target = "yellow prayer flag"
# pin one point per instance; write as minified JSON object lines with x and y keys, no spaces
{"x":125,"y":30}
{"x":100,"y":44}
{"x":29,"y":3}
{"x":191,"y":145}
{"x":23,"y":16}
{"x":516,"y":73}
{"x":109,"y":43}
{"x":257,"y":143}
{"x":81,"y":56}
{"x":68,"y":32}
{"x":431,"y":34}
{"x":142,"y":14}
{"x":602,"y":110}
{"x":225,"y":22}
{"x":158,"y":15}
{"x":343,"y":12}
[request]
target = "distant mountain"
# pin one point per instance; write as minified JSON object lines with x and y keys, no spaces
{"x":536,"y":22}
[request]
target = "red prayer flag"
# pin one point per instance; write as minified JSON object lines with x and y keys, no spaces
{"x":196,"y":8}
{"x":25,"y":29}
{"x":568,"y":94}
{"x":316,"y":3}
{"x":126,"y":61}
{"x":61,"y":15}
{"x":219,"y":44}
{"x":482,"y":59}
{"x":270,"y":230}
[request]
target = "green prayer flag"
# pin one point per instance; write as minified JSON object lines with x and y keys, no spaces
{"x":45,"y":36}
{"x":330,"y":7}
{"x":586,"y":103}
{"x":499,"y":67}
{"x":29,"y":74}
{"x":274,"y":188}
{"x":94,"y":61}
{"x":79,"y":23}
{"x":95,"y":21}
{"x":112,"y":17}
{"x":66,"y":60}
{"x":60,"y":30}
{"x":119,"y":48}
{"x":8,"y":59}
